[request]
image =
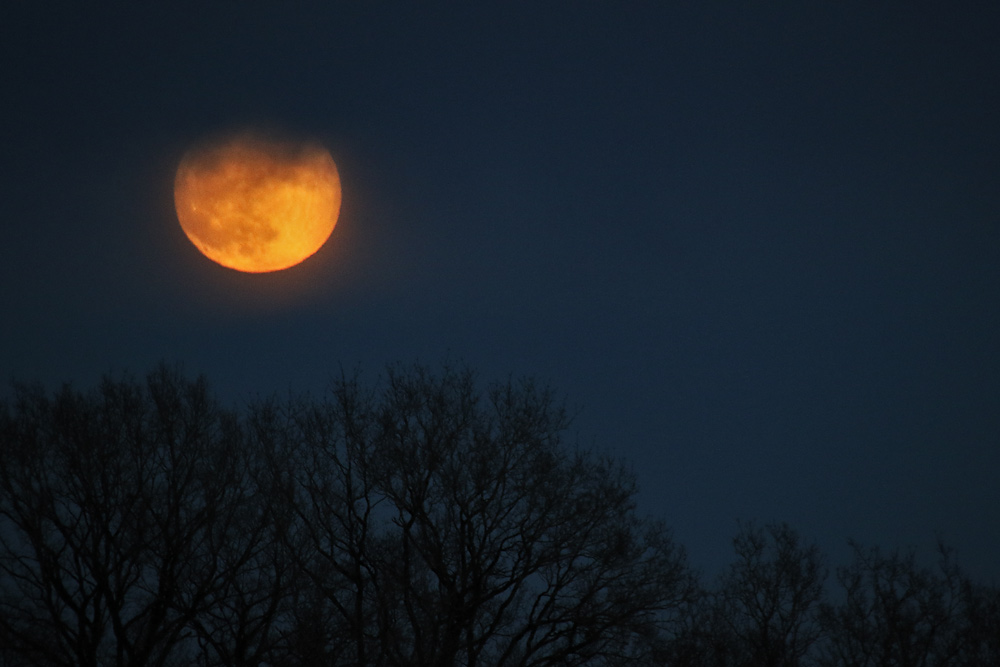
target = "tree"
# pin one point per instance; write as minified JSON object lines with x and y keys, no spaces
{"x":764,"y":609}
{"x":449,"y":526}
{"x":896,"y":613}
{"x":126,"y":514}
{"x":979,"y":625}
{"x":770,"y":596}
{"x":422,"y":520}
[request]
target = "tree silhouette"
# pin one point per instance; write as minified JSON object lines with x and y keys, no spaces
{"x":420,"y":521}
{"x":770,"y":608}
{"x":899,"y":614}
{"x":770,"y":596}
{"x":445,"y":526}
{"x":126,"y":513}
{"x":764,"y":609}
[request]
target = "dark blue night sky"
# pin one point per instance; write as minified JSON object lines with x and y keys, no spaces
{"x":758,"y":250}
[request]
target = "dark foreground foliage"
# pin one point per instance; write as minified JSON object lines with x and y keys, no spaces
{"x":423,"y":520}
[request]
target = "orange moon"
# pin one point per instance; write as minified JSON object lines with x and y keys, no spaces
{"x":257,"y":205}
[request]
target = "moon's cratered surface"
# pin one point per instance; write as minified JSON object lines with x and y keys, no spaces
{"x":257,"y":205}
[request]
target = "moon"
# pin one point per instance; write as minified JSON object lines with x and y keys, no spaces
{"x":255,"y":204}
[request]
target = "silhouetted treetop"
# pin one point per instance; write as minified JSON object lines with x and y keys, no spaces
{"x":423,"y":519}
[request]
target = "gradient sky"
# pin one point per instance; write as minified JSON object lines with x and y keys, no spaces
{"x":758,"y":250}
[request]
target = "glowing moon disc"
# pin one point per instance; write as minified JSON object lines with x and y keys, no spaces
{"x":257,"y":205}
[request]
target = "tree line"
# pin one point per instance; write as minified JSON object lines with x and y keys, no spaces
{"x":423,"y":520}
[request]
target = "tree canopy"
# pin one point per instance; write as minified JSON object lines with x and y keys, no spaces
{"x":424,"y":519}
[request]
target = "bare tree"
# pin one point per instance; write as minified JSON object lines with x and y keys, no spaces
{"x":247,"y":617}
{"x":421,"y":520}
{"x":897,"y":613}
{"x":446,"y":525}
{"x":701,"y":638}
{"x":764,"y":609}
{"x":122,"y":519}
{"x":978,"y":638}
{"x":770,"y":596}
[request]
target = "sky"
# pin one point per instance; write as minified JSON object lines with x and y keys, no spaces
{"x":756,"y":246}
